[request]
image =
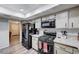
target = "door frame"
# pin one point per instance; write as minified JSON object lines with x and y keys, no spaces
{"x":20,"y":25}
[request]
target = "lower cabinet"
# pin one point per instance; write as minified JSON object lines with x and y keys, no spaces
{"x":59,"y":51}
{"x":76,"y":51}
{"x":35,"y":43}
{"x":64,"y":49}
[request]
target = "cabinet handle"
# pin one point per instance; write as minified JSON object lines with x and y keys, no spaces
{"x":72,"y":24}
{"x":65,"y":25}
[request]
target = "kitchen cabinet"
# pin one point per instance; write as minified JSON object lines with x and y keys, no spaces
{"x":35,"y":42}
{"x":74,"y":18}
{"x":64,"y":49}
{"x":44,"y":18}
{"x":61,"y":49}
{"x":62,"y":20}
{"x":38,"y":23}
{"x":76,"y":51}
{"x":50,"y":17}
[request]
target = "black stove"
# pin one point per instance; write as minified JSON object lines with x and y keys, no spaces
{"x":46,"y":43}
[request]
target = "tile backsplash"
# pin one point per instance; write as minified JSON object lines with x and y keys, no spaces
{"x":70,"y":36}
{"x":71,"y":33}
{"x":73,"y":36}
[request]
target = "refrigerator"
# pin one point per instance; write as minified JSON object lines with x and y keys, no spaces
{"x":26,"y":38}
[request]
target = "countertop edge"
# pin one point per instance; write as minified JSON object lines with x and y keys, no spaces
{"x":74,"y":46}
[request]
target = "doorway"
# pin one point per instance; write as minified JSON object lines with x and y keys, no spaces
{"x":14,"y":32}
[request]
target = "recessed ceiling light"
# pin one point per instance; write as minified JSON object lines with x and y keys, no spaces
{"x":21,"y":10}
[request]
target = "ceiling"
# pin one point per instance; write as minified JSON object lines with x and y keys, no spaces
{"x":31,"y":11}
{"x":22,"y":8}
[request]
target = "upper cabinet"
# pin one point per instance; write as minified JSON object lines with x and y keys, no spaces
{"x":62,"y":20}
{"x":48,"y":18}
{"x":38,"y":23}
{"x":74,"y":18}
{"x":44,"y":18}
{"x":51,"y":17}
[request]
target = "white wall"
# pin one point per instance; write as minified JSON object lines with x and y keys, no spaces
{"x":4,"y":33}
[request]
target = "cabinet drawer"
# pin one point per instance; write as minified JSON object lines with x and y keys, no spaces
{"x":64,"y":47}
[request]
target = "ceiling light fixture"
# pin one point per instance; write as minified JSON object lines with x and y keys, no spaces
{"x":21,"y":10}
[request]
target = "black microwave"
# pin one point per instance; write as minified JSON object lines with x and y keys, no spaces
{"x":48,"y":24}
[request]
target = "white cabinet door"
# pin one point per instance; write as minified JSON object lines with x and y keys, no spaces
{"x":35,"y":43}
{"x":62,"y":49}
{"x":44,"y":18}
{"x":62,"y":20}
{"x":38,"y":23}
{"x":61,"y":23}
{"x":51,"y":17}
{"x":59,"y":51}
{"x":74,"y":18}
{"x":76,"y":51}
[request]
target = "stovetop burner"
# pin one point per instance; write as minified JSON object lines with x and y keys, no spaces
{"x":50,"y":33}
{"x":48,"y":37}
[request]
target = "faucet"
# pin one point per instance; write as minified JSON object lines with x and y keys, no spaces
{"x":64,"y":33}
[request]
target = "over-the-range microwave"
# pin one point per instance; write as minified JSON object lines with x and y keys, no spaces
{"x":48,"y":24}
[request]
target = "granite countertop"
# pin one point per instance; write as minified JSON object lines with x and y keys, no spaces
{"x":69,"y":42}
